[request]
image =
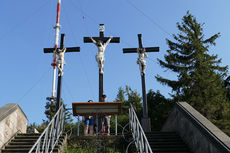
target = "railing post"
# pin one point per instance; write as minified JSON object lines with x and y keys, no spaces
{"x":115,"y":124}
{"x":78,"y":125}
{"x":129,"y":119}
{"x":51,"y":134}
{"x":97,"y":123}
{"x":63,"y":119}
{"x":139,"y":137}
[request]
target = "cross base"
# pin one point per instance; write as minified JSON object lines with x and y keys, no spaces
{"x":146,"y":124}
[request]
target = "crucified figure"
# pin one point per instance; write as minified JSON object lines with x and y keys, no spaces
{"x":100,"y":56}
{"x":141,"y":60}
{"x":61,"y":61}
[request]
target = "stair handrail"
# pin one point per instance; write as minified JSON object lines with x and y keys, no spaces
{"x":141,"y":142}
{"x":51,"y":134}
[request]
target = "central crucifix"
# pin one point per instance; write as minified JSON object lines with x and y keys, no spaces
{"x":101,"y":43}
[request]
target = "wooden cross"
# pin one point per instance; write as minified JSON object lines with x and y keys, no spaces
{"x":103,"y":40}
{"x":101,"y":37}
{"x":146,"y":49}
{"x":142,"y":51}
{"x":60,"y":53}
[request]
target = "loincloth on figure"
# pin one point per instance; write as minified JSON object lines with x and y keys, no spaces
{"x":100,"y":57}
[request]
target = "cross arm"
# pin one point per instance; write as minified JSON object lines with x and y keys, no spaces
{"x":152,"y":49}
{"x":129,"y":50}
{"x":69,"y":49}
{"x":147,"y":49}
{"x":104,"y":39}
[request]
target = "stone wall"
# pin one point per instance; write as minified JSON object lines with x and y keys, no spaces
{"x":197,"y":132}
{"x":12,"y":120}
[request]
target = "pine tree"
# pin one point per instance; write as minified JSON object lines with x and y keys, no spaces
{"x":120,"y":95}
{"x":200,"y":76}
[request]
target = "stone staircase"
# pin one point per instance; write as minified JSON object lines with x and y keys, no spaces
{"x":22,"y":143}
{"x":166,"y":142}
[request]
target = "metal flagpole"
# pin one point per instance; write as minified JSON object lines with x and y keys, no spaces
{"x":57,"y":30}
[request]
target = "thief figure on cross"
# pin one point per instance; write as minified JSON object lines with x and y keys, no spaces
{"x":141,"y":59}
{"x":60,"y":61}
{"x":145,"y":121}
{"x":100,"y":56}
{"x":60,"y":64}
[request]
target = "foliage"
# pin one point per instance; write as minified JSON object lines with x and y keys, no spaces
{"x":39,"y":128}
{"x":159,"y":108}
{"x":88,"y":151}
{"x":128,"y":96}
{"x":79,"y":151}
{"x":200,"y":78}
{"x":223,"y":124}
{"x":227,"y":87}
{"x":122,"y":120}
{"x":50,"y":109}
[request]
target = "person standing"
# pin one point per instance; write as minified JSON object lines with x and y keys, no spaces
{"x":106,"y":119}
{"x":89,"y":123}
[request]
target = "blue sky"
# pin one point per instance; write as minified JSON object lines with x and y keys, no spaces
{"x":26,"y":28}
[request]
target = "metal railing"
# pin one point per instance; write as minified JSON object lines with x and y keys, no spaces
{"x":50,"y":136}
{"x":138,"y":134}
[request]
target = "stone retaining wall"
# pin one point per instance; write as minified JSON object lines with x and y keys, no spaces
{"x":12,"y":120}
{"x":198,"y":132}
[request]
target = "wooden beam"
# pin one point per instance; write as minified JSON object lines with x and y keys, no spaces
{"x":69,"y":49}
{"x":104,"y":39}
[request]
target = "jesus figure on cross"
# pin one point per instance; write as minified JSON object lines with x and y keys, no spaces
{"x":141,"y":60}
{"x":100,"y":56}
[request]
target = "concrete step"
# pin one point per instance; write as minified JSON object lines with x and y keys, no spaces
{"x":26,"y":143}
{"x":26,"y":137}
{"x":29,"y":140}
{"x":21,"y":150}
{"x":168,"y":149}
{"x":166,"y":142}
{"x":22,"y":143}
{"x":22,"y":146}
{"x":163,"y":136}
{"x":171,"y":152}
{"x":28,"y":134}
{"x":176,"y":145}
{"x":160,"y":133}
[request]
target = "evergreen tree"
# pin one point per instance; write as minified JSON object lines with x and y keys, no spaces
{"x":227,"y":87}
{"x":121,"y":95}
{"x":134,"y":98}
{"x":200,"y":76}
{"x":159,"y":108}
{"x":50,"y":110}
